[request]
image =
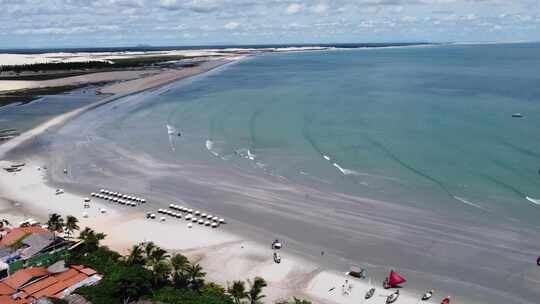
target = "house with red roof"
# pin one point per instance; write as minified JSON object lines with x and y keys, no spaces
{"x":29,"y":285}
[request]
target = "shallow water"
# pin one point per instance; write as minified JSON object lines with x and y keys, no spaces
{"x":404,"y":157}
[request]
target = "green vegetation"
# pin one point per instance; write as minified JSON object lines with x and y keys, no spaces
{"x":149,"y":273}
{"x":119,"y":63}
{"x":55,"y":66}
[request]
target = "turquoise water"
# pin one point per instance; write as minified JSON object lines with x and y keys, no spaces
{"x":429,"y":127}
{"x":403,"y":158}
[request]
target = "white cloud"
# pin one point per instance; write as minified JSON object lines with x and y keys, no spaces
{"x":294,"y":8}
{"x":320,"y":8}
{"x":232,"y":25}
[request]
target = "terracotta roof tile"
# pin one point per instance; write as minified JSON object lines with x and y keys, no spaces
{"x":22,"y":277}
{"x":16,"y":234}
{"x":5,"y":290}
{"x":42,"y":284}
{"x":88,"y":271}
{"x":7,"y":300}
{"x":66,"y":275}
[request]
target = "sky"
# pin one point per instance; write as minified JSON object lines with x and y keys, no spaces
{"x":87,"y":23}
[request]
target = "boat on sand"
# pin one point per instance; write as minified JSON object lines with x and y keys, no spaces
{"x":393,"y":297}
{"x":393,"y":280}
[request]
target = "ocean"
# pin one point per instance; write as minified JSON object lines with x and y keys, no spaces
{"x":429,"y":127}
{"x":405,"y":157}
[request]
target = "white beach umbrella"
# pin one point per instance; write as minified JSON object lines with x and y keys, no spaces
{"x":85,"y":215}
{"x":214,"y":225}
{"x":222,"y":221}
{"x":215,"y":219}
{"x":143,"y":201}
{"x":103,"y":210}
{"x":92,"y":194}
{"x":194,"y":219}
{"x":189,"y":225}
{"x":197,"y":212}
{"x":152,"y":216}
{"x":133,"y":204}
{"x":102,"y":190}
{"x":162,"y":219}
{"x":172,"y":206}
{"x":207,"y":223}
{"x":201,"y":222}
{"x":203,"y":215}
{"x":190,"y":210}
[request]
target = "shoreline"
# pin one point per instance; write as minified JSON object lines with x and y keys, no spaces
{"x":318,"y":279}
{"x":294,"y":277}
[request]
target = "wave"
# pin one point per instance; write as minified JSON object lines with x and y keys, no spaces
{"x":245,"y":153}
{"x":326,"y":157}
{"x":209,"y":146}
{"x":533,"y":200}
{"x":466,"y":202}
{"x":345,"y":171}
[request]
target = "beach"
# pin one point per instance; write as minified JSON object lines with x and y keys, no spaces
{"x":325,"y":231}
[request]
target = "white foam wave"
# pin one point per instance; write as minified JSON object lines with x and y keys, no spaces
{"x":533,"y":200}
{"x":345,"y":171}
{"x":326,"y":157}
{"x":209,"y":144}
{"x":250,"y":155}
{"x":466,"y":202}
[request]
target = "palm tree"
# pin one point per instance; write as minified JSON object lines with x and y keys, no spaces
{"x":179,"y":264}
{"x":255,"y":291}
{"x":161,"y":272}
{"x":55,"y":224}
{"x":90,"y":239}
{"x":238,"y":291}
{"x":195,"y":276}
{"x":4,"y":222}
{"x":71,"y":224}
{"x":149,"y":247}
{"x":136,"y":256}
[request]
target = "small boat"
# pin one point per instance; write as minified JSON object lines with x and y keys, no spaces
{"x":446,"y":300}
{"x":517,"y":115}
{"x":277,"y":258}
{"x":427,"y":295}
{"x":357,"y":272}
{"x":369,"y":293}
{"x":393,"y":297}
{"x":393,"y":280}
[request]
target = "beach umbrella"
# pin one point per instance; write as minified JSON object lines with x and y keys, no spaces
{"x":207,"y":223}
{"x":152,"y":216}
{"x":189,"y":225}
{"x":85,"y":215}
{"x":92,"y":194}
{"x":203,"y":215}
{"x":133,"y":205}
{"x":103,"y":210}
{"x":197,"y":212}
{"x":178,"y":215}
{"x":222,"y":221}
{"x":201,"y":222}
{"x":171,"y":206}
{"x":194,"y":219}
{"x":209,"y":216}
{"x":214,"y":225}
{"x":162,"y":219}
{"x":101,"y":190}
{"x":190,"y":210}
{"x":143,"y":201}
{"x":215,"y":219}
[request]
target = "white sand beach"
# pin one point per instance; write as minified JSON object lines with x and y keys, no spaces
{"x":224,"y":256}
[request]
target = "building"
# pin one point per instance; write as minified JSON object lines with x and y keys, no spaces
{"x":26,"y":286}
{"x":24,"y":247}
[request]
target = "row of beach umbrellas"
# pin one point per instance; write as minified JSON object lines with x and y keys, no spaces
{"x":120,"y":196}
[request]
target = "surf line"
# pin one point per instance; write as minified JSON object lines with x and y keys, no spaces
{"x":390,"y":154}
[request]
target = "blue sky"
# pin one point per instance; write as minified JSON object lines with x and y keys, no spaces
{"x":53,"y":23}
